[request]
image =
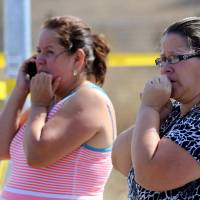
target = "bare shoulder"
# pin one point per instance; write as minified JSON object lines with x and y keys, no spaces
{"x":91,"y":104}
{"x":87,"y":96}
{"x":87,"y":113}
{"x":84,"y":106}
{"x":79,"y":121}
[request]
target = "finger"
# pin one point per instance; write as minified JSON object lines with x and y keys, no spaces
{"x":164,"y":78}
{"x":56,"y":83}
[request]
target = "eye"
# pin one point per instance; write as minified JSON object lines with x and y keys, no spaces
{"x":48,"y":52}
{"x":173,"y":59}
{"x":38,"y":51}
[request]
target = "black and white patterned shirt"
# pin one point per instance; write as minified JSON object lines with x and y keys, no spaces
{"x":184,"y":131}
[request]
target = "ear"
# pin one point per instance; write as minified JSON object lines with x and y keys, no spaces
{"x":79,"y":60}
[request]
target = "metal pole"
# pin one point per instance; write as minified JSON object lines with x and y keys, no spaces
{"x":17,"y":34}
{"x":17,"y":38}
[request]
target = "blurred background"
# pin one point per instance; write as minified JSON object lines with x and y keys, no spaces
{"x":133,"y":30}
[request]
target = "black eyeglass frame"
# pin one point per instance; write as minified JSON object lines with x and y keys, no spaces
{"x":178,"y":57}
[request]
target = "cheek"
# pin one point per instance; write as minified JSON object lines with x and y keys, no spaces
{"x":52,"y":70}
{"x":190,"y":76}
{"x":64,"y":73}
{"x":186,"y":83}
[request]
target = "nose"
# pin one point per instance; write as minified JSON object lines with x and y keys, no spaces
{"x":40,"y":61}
{"x":166,"y":68}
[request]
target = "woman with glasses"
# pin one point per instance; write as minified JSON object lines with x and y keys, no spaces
{"x":63,"y":150}
{"x":163,"y":156}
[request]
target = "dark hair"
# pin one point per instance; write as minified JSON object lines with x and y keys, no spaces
{"x":188,"y":28}
{"x":74,"y":34}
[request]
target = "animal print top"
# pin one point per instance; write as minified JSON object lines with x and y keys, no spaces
{"x":185,"y":131}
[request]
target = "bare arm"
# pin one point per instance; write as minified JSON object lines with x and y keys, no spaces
{"x":74,"y":124}
{"x":10,"y":115}
{"x":9,"y":121}
{"x":121,"y":152}
{"x":159,"y":164}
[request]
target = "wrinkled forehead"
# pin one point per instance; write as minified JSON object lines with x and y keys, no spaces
{"x":174,"y":43}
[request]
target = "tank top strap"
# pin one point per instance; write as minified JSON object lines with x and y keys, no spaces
{"x":68,"y":97}
{"x":90,"y":85}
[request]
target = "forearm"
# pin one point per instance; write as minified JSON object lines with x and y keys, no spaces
{"x":33,"y":131}
{"x":10,"y":116}
{"x":145,"y":138}
{"x":9,"y":120}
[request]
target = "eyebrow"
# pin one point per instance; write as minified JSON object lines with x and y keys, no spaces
{"x":47,"y":47}
{"x":180,"y":50}
{"x":175,"y":53}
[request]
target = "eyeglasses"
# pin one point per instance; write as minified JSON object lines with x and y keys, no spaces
{"x":160,"y":62}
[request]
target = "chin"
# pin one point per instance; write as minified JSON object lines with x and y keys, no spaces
{"x":175,"y":96}
{"x":179,"y":98}
{"x":176,"y":93}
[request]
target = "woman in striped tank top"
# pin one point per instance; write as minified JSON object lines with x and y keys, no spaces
{"x":63,"y":150}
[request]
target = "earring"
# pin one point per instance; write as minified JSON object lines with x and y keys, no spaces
{"x":74,"y":73}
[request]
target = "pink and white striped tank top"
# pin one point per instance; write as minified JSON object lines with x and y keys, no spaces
{"x":80,"y":176}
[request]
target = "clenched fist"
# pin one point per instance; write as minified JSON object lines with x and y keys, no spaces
{"x":156,"y":93}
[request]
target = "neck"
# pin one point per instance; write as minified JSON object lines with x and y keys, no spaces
{"x":186,"y":107}
{"x":71,"y":89}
